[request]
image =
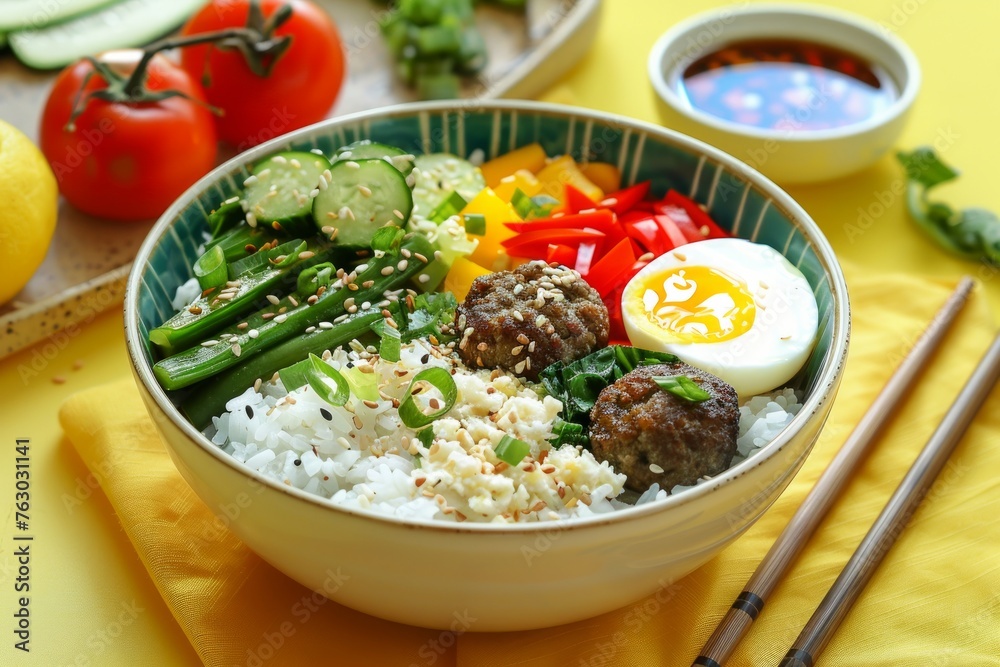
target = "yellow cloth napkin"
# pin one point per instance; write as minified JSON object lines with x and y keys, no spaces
{"x":934,"y":601}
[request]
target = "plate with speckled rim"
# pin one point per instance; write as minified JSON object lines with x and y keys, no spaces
{"x":86,"y":267}
{"x":762,"y":214}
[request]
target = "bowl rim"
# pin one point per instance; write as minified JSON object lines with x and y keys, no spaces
{"x":826,"y":383}
{"x":660,"y":74}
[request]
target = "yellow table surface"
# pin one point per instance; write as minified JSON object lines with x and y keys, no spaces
{"x":91,"y":600}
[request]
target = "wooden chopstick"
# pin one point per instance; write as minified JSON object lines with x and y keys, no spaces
{"x":896,"y":514}
{"x":817,"y":503}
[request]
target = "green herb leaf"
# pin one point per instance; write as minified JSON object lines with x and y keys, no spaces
{"x":388,"y":238}
{"x":410,"y":413}
{"x":973,"y":233}
{"x":510,"y":450}
{"x":683,"y":387}
{"x":568,"y":433}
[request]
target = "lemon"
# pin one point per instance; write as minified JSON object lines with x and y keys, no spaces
{"x":29,"y":201}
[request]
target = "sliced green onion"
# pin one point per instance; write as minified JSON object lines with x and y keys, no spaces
{"x":311,"y":279}
{"x":312,"y":372}
{"x":426,"y":436}
{"x":475,"y":223}
{"x":683,"y":387}
{"x":527,"y":207}
{"x":511,"y":450}
{"x":389,"y":346}
{"x":440,"y":379}
{"x":388,"y":238}
{"x":451,"y":205}
{"x":364,"y":386}
{"x":211,"y":269}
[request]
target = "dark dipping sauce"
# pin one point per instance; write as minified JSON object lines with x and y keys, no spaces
{"x":787,"y":85}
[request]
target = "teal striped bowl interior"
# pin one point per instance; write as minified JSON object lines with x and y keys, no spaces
{"x":738,"y":198}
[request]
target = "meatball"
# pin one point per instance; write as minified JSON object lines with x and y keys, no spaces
{"x":525,"y":319}
{"x":653,"y":436}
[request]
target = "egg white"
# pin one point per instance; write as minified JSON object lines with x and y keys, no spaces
{"x":775,"y":346}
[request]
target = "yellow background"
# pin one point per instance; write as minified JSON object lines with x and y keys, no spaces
{"x":92,"y":602}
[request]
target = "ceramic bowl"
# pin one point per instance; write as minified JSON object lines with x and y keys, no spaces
{"x":791,"y":154}
{"x":505,"y":577}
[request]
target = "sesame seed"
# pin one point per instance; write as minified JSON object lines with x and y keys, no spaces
{"x":399,"y":214}
{"x":194,"y":310}
{"x":280,"y":318}
{"x":242,"y":325}
{"x":209,"y":343}
{"x":280,"y":159}
{"x":351,"y":164}
{"x":387,"y":271}
{"x":365,"y":190}
{"x":655,"y":468}
{"x":516,"y":350}
{"x":402,"y":265}
{"x":326,"y":325}
{"x":253,"y":333}
{"x":251,"y":219}
{"x":358,"y":424}
{"x":237,"y":350}
{"x":307,"y":254}
{"x":273,"y":299}
{"x":250,"y":180}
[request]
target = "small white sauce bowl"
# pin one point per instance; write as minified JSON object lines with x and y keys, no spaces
{"x":788,"y":155}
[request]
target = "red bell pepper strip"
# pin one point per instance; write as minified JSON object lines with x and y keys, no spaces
{"x":561,"y":254}
{"x":602,"y":220}
{"x":585,"y":253}
{"x":671,"y":229}
{"x":648,"y":234}
{"x":681,"y":219}
{"x":607,"y":273}
{"x":697,"y":215}
{"x":625,"y":200}
{"x":576,"y":201}
{"x":536,"y":243}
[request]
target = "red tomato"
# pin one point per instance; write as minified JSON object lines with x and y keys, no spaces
{"x":301,"y":88}
{"x":127,"y":161}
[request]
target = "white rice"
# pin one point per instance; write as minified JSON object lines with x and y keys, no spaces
{"x":362,"y":456}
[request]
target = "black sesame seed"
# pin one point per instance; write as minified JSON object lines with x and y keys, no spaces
{"x":326,"y":414}
{"x":249,"y":412}
{"x":424,"y":359}
{"x":297,"y":462}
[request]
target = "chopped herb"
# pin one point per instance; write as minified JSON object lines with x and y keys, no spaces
{"x":682,"y":386}
{"x":511,"y":450}
{"x":411,"y":415}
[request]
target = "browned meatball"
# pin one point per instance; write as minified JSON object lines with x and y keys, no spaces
{"x":653,"y":436}
{"x":525,"y":319}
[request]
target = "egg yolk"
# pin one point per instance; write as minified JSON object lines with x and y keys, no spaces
{"x":698,"y":304}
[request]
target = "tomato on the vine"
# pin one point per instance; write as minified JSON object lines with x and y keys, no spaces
{"x":300,"y":87}
{"x":126,"y":160}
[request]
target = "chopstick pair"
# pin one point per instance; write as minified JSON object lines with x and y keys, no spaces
{"x":859,"y":569}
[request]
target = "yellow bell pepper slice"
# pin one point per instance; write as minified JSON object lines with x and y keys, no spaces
{"x":459,"y":279}
{"x":603,"y":175}
{"x":531,"y":158}
{"x":562,"y":170}
{"x":489,"y":253}
{"x":522,"y":180}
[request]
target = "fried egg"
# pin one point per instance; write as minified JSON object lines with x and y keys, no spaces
{"x":734,"y":308}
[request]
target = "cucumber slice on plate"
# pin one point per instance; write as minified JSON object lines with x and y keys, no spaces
{"x":438,"y":175}
{"x":281,"y":187}
{"x":360,"y":197}
{"x":125,"y":24}
{"x":366,"y":149}
{"x":32,"y":14}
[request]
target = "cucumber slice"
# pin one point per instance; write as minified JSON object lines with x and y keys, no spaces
{"x":122,"y":25}
{"x":360,"y":197}
{"x":281,"y":188}
{"x":440,"y":174}
{"x":366,"y":149}
{"x":31,"y":14}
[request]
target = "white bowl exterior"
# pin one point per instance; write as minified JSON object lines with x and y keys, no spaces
{"x":786,"y":156}
{"x":507,"y":578}
{"x":497,"y":580}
